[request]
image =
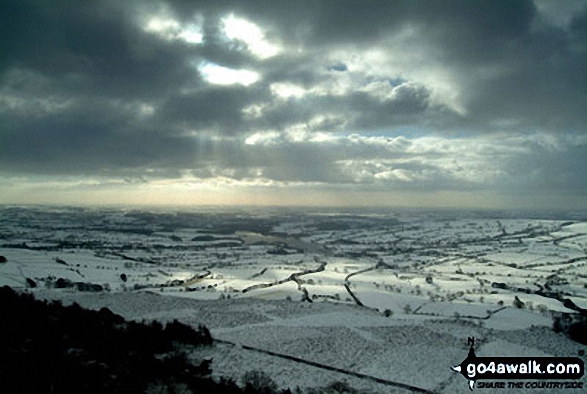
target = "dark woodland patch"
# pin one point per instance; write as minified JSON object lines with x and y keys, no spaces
{"x":47,"y":347}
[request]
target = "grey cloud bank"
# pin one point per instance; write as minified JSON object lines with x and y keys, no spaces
{"x":402,"y":98}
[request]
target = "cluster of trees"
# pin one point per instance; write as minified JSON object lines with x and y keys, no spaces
{"x":47,"y":347}
{"x":573,"y":325}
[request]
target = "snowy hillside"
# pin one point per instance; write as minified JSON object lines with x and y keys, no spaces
{"x":385,"y":301}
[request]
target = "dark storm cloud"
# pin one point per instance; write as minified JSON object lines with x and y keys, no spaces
{"x":216,"y":108}
{"x":547,"y":169}
{"x":86,"y":88}
{"x":93,"y":43}
{"x":89,"y":140}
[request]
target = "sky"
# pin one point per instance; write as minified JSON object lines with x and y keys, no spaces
{"x":435,"y":104}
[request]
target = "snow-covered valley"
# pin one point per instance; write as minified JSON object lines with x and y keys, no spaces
{"x":385,"y":301}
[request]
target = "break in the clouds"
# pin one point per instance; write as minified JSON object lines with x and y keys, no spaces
{"x":430,"y":103}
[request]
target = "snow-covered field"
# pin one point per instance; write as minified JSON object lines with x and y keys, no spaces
{"x":391,"y":296}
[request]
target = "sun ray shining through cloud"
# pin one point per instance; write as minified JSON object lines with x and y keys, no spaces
{"x":250,"y":34}
{"x":171,"y":29}
{"x":219,"y":75}
{"x":477,"y":100}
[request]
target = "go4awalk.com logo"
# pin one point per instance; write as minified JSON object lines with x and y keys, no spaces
{"x":532,"y":370}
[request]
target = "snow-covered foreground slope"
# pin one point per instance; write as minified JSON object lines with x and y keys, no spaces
{"x":384,"y":301}
{"x":415,"y":350}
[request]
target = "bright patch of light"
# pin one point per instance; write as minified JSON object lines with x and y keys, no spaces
{"x":294,"y":134}
{"x":219,"y":75}
{"x":327,"y":122}
{"x":297,"y":133}
{"x":146,"y":109}
{"x":395,"y":175}
{"x":262,"y":138}
{"x":250,"y":34}
{"x":286,"y":90}
{"x":164,"y":27}
{"x":401,"y":59}
{"x":192,"y":33}
{"x":254,"y":111}
{"x":380,"y":89}
{"x":322,"y":137}
{"x":170,"y":29}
